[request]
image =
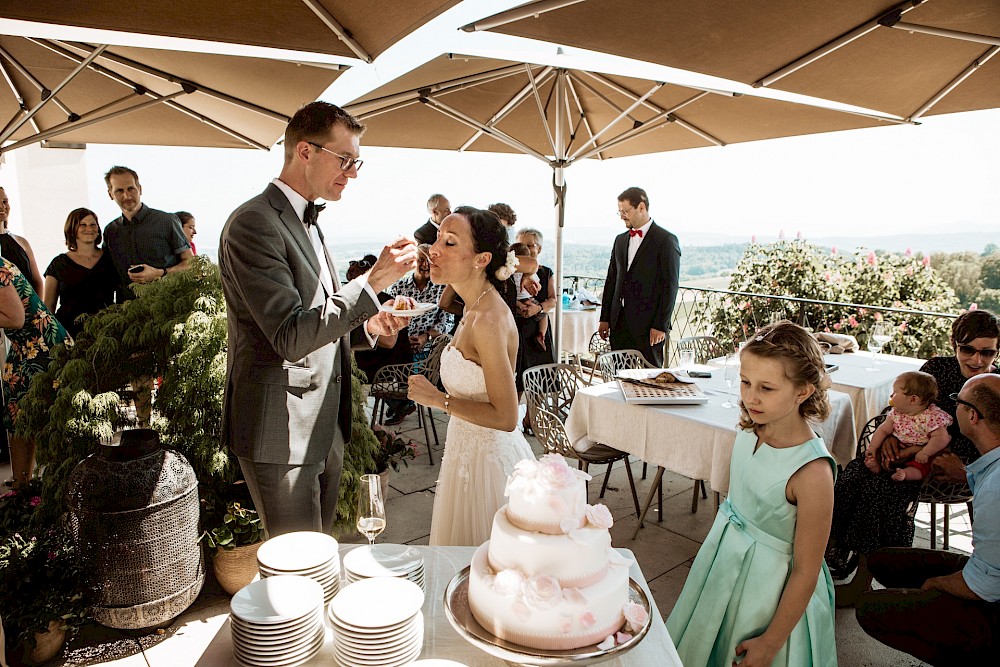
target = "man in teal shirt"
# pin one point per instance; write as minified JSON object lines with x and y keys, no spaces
{"x":939,"y":606}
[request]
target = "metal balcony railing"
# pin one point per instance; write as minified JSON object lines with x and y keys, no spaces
{"x":733,"y":316}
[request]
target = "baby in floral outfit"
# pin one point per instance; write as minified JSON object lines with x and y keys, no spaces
{"x":914,"y":420}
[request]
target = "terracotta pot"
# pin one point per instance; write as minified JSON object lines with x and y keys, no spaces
{"x":384,"y":483}
{"x":235,"y":568}
{"x":47,"y":644}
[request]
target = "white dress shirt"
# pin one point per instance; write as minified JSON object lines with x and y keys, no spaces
{"x":299,"y":204}
{"x":635,"y":241}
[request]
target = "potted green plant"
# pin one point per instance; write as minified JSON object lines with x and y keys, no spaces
{"x":233,"y":542}
{"x":393,"y":450}
{"x":45,"y":594}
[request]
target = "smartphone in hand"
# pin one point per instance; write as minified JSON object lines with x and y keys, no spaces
{"x":135,"y":269}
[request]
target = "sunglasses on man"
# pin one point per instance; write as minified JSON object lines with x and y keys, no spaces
{"x":961,"y":401}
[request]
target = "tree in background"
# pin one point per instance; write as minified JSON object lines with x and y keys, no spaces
{"x":961,"y":270}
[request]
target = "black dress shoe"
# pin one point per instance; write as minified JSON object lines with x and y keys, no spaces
{"x":403,"y":413}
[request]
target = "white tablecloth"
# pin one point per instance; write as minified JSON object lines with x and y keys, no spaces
{"x":693,"y":440}
{"x":577,"y":328}
{"x":441,"y":640}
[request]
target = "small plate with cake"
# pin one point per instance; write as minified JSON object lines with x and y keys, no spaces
{"x":404,"y":306}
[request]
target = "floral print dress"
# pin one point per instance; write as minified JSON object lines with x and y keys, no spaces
{"x":29,"y":345}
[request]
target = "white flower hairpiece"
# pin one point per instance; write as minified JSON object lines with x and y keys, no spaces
{"x":507,"y":270}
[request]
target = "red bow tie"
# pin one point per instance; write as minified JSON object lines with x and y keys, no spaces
{"x":635,"y":232}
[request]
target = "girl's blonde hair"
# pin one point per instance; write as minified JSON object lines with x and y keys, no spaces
{"x":802,"y":359}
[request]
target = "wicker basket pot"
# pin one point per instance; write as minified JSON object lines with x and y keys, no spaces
{"x":134,"y":515}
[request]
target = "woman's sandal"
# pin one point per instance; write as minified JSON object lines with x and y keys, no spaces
{"x":527,"y":426}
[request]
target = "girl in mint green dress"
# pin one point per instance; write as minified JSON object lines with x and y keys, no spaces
{"x":759,"y":592}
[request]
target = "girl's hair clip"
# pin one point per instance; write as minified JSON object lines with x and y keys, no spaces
{"x":759,"y":338}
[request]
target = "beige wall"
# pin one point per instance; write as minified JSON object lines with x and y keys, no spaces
{"x":44,"y":185}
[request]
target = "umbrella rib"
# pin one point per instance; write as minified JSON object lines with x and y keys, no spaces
{"x":966,"y":73}
{"x":414,"y":94}
{"x":579,"y":107}
{"x":91,"y":118}
{"x":170,"y":78}
{"x":541,"y":110}
{"x":340,"y":31}
{"x":943,"y":32}
{"x":31,"y":79}
{"x":499,"y":135}
{"x":512,"y":104}
{"x":186,"y":88}
{"x":17,"y":96}
{"x":622,"y":114}
{"x":55,"y":91}
{"x":884,"y":19}
{"x":532,"y":9}
{"x":216,"y":124}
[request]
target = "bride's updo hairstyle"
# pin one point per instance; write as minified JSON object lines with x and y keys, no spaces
{"x":489,"y":235}
{"x":802,"y":359}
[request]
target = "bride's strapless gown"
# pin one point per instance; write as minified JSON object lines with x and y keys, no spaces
{"x":476,"y":463}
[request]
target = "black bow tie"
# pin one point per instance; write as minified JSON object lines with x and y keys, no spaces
{"x":311,"y":216}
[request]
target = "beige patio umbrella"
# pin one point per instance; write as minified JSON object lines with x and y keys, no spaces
{"x":561,"y":116}
{"x":359,"y":29}
{"x":910,"y":59}
{"x":85,"y":93}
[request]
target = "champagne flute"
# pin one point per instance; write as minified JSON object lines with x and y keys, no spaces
{"x":875,"y":341}
{"x":732,"y":371}
{"x":371,"y":508}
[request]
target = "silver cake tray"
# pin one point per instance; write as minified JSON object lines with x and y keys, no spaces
{"x":456,"y":606}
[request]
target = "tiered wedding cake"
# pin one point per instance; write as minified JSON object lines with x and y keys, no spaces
{"x":548,"y":577}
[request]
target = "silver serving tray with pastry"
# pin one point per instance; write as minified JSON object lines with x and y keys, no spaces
{"x":658,"y":386}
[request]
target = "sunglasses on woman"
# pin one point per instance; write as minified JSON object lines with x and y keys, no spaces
{"x":969,"y":351}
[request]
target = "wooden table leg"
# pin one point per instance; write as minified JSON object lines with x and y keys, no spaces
{"x":649,"y":499}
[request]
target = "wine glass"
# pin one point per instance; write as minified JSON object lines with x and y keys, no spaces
{"x":876,"y":339}
{"x":882,"y":333}
{"x":371,"y":508}
{"x":732,"y":372}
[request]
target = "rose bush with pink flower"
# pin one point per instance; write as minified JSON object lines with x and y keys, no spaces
{"x":868,"y":278}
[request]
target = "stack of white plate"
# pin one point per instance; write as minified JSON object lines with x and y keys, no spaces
{"x":306,"y":554}
{"x":277,"y":622}
{"x":377,"y":622}
{"x":384,"y":560}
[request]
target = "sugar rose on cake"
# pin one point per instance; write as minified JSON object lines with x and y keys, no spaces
{"x":548,"y":577}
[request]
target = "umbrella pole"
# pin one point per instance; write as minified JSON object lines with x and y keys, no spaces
{"x":559,"y":186}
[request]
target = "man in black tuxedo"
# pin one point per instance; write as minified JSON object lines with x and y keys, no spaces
{"x":438,"y":208}
{"x":641,"y":286}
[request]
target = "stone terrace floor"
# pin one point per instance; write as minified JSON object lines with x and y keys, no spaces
{"x":665,"y":551}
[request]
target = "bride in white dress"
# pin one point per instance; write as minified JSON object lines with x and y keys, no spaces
{"x":477,"y":369}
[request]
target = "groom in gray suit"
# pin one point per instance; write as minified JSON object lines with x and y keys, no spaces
{"x":287,"y":401}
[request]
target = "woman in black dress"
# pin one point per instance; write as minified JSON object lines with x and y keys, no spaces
{"x":84,"y":279}
{"x":529,"y":352}
{"x":871,"y":510}
{"x":16,"y":249}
